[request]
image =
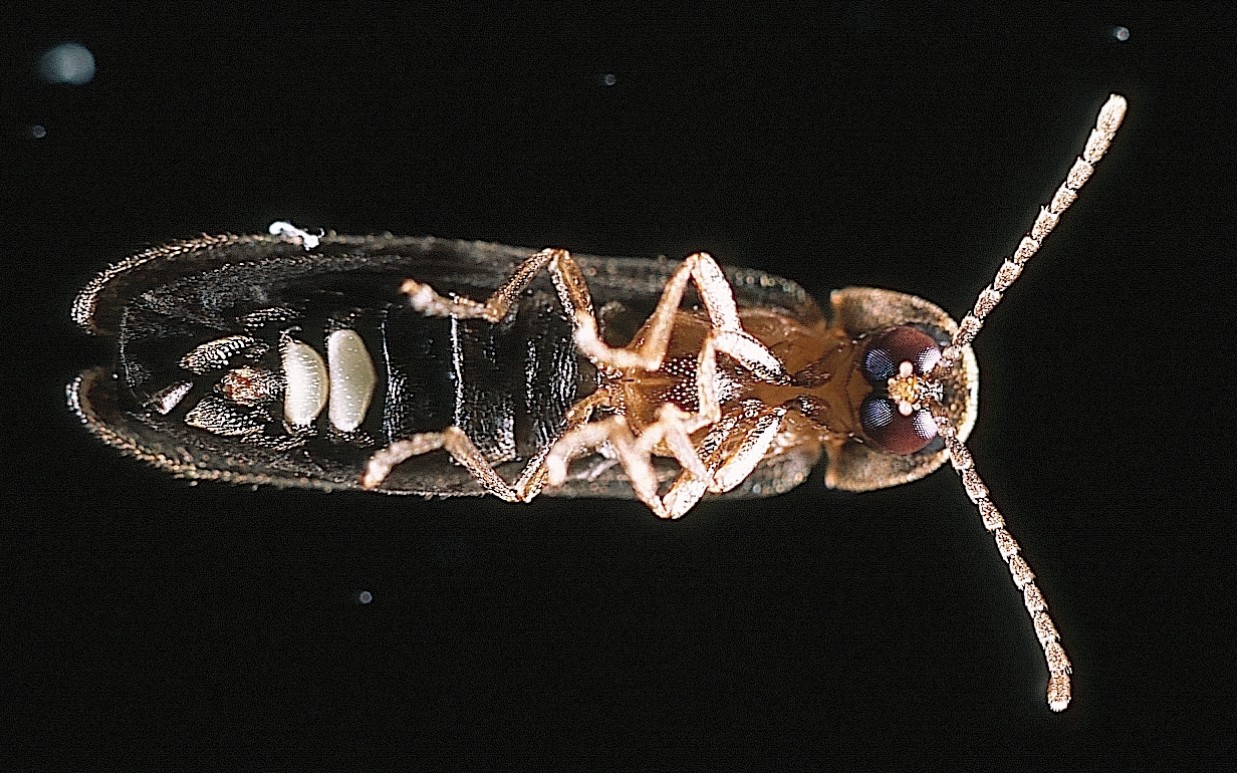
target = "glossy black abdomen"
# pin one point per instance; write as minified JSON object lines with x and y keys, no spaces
{"x":507,"y":386}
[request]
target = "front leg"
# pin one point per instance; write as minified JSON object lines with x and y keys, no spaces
{"x":732,"y":449}
{"x":647,"y":349}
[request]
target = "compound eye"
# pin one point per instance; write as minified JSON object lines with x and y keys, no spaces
{"x":892,"y":432}
{"x":888,"y":350}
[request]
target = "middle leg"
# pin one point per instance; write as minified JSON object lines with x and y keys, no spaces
{"x":734,"y":448}
{"x":672,"y":431}
{"x":564,"y":272}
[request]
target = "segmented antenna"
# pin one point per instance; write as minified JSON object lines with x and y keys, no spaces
{"x":1024,"y":578}
{"x":1054,"y":654}
{"x":1097,"y":144}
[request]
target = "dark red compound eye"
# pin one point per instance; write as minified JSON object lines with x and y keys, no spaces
{"x":886,"y":352}
{"x":892,"y":432}
{"x":882,"y":423}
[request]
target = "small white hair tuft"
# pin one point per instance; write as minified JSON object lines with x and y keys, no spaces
{"x":289,"y":232}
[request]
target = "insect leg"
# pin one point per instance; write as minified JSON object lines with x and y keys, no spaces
{"x":636,"y":461}
{"x":1106,"y":126}
{"x":455,"y":442}
{"x":727,"y":468}
{"x":735,"y":446}
{"x":1024,"y":578}
{"x":574,"y":295}
{"x":758,"y":434}
{"x":738,"y":445}
{"x":648,"y":348}
{"x":533,"y":477}
{"x":568,"y":280}
{"x":673,"y":427}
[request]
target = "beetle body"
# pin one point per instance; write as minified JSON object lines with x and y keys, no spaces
{"x":507,"y":385}
{"x":337,"y":362}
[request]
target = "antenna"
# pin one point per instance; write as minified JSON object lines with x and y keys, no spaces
{"x":1054,"y":654}
{"x":1101,"y":137}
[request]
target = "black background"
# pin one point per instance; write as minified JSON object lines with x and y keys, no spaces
{"x":148,"y":620}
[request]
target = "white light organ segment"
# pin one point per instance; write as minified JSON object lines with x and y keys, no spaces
{"x":307,"y":386}
{"x":352,"y":379}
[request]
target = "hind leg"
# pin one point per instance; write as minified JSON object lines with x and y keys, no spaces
{"x":456,"y":442}
{"x":576,"y":300}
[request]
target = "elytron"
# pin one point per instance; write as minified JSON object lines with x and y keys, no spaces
{"x":575,"y":376}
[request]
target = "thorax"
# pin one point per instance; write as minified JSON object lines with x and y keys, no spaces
{"x":824,"y":390}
